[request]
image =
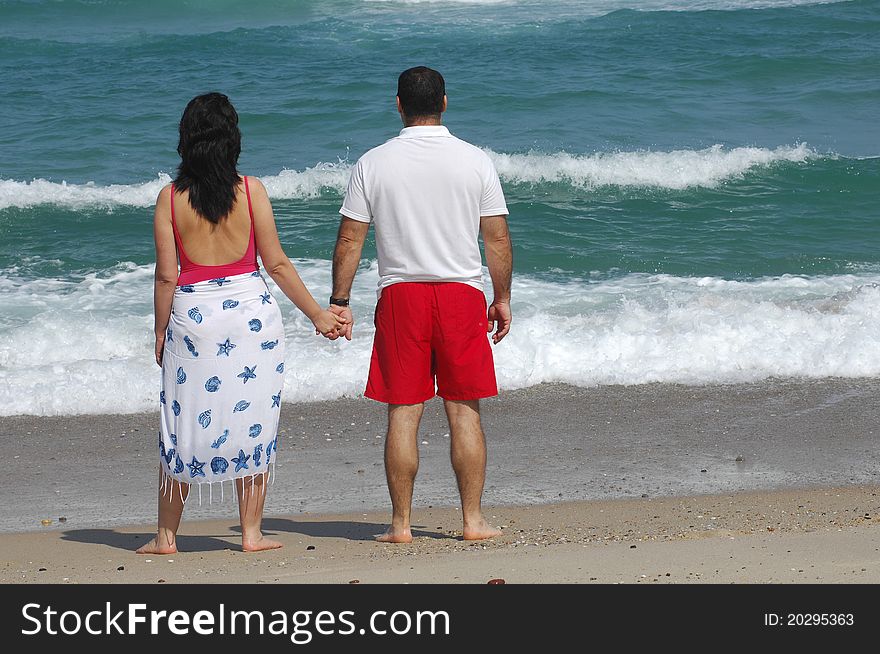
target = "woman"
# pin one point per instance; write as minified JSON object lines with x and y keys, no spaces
{"x":219,"y":337}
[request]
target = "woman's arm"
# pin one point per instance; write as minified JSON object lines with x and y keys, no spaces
{"x":166,"y":268}
{"x":281,"y":269}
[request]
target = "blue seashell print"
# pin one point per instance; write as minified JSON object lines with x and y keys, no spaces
{"x":220,"y":439}
{"x":276,"y":400}
{"x":190,"y":346}
{"x":169,"y":334}
{"x":181,"y":375}
{"x":195,"y":315}
{"x":173,"y":438}
{"x":195,"y":468}
{"x":168,"y":456}
{"x":258,"y":453}
{"x":249,"y":373}
{"x":241,"y":461}
{"x":229,"y":304}
{"x":255,"y":430}
{"x":266,"y":298}
{"x":178,"y":465}
{"x":271,"y":449}
{"x":205,"y":418}
{"x":187,"y":288}
{"x":241,"y":405}
{"x":256,"y":273}
{"x":219,"y":281}
{"x":212,"y":384}
{"x":226,"y":347}
{"x":161,"y":447}
{"x":255,"y":325}
{"x":175,"y":407}
{"x":162,"y":397}
{"x":269,"y":345}
{"x":219,"y":465}
{"x":279,"y":367}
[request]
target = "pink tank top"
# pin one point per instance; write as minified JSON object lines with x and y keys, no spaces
{"x":191,"y":272}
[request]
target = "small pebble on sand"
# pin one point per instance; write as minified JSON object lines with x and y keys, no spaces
{"x":495,"y":582}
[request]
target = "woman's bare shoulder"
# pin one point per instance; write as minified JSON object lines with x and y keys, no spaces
{"x":164,"y":194}
{"x":255,"y":184}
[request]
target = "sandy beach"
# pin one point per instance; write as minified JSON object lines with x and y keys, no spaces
{"x":769,"y":482}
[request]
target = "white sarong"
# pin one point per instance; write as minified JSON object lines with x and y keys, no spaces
{"x":222,"y":375}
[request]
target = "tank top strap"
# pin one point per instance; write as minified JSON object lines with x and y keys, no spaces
{"x":181,"y":253}
{"x":251,"y":253}
{"x":247,"y":192}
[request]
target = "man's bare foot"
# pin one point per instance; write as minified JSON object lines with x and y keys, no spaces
{"x":395,"y":536}
{"x":154,"y":547}
{"x":259,"y":545}
{"x":480,"y":531}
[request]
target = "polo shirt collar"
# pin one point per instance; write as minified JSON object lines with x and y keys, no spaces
{"x":420,"y":131}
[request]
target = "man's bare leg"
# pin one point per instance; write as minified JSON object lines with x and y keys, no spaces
{"x":468,"y":453}
{"x":251,"y":497}
{"x":401,"y":466}
{"x":170,"y":510}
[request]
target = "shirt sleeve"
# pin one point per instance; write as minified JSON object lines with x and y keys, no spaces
{"x":492,"y":203}
{"x":355,"y":205}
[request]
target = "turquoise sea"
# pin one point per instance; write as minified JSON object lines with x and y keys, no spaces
{"x":694,"y":186}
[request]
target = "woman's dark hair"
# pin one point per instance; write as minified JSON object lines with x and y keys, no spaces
{"x":421,"y":92}
{"x":209,"y":145}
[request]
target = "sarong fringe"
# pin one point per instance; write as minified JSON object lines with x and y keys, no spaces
{"x":167,"y":484}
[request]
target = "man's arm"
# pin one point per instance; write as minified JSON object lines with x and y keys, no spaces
{"x":346,"y":257}
{"x":499,"y":259}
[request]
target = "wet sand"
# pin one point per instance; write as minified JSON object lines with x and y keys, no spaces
{"x":802,"y":536}
{"x":584,"y":473}
{"x":549,"y":443}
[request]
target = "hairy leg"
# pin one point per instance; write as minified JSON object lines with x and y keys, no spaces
{"x":251,"y":497}
{"x":401,"y":466}
{"x":468,"y":454}
{"x":172,"y":495}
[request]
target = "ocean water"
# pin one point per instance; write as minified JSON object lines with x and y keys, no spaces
{"x":694,"y":186}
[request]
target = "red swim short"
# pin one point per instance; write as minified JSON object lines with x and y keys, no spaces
{"x":426,"y":331}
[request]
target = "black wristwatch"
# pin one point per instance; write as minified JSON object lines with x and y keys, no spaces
{"x":338,"y":301}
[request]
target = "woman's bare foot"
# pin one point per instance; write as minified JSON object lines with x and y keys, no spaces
{"x":480,"y":531}
{"x":395,"y":536}
{"x":155,"y":547}
{"x":259,"y":545}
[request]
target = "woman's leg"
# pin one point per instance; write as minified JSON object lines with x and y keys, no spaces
{"x":172,"y":495}
{"x":251,"y":496}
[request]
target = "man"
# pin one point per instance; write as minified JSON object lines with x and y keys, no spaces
{"x":429,"y":196}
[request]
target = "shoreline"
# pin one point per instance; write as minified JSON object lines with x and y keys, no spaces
{"x":766,"y":482}
{"x":547,"y":443}
{"x":825,"y":535}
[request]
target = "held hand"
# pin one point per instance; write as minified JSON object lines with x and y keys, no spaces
{"x":344,"y":312}
{"x":160,"y":347}
{"x":499,"y":312}
{"x":328,"y":324}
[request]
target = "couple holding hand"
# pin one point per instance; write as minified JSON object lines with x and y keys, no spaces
{"x":219,"y":332}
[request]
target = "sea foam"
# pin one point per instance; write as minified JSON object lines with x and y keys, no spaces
{"x":676,"y":169}
{"x":85,"y":346}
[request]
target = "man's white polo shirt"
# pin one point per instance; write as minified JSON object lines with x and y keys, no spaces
{"x":425,"y":191}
